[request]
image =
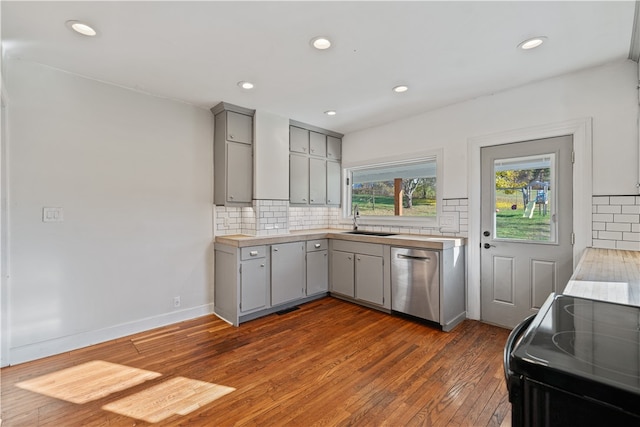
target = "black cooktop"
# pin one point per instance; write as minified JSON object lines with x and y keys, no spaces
{"x":586,"y":347}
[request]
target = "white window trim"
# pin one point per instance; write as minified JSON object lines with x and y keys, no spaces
{"x":388,"y":221}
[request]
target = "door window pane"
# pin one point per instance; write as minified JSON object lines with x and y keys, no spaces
{"x":524,"y":203}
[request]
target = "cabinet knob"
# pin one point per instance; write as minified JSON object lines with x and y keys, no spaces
{"x":304,"y":200}
{"x":348,"y":257}
{"x":253,"y":253}
{"x":329,"y":200}
{"x":261,"y":265}
{"x":231,"y":136}
{"x":317,"y":245}
{"x":312,"y":200}
{"x":230,"y":196}
{"x":275,"y":249}
{"x":358,"y":259}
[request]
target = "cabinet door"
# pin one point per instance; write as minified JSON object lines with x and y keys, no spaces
{"x":317,"y":272}
{"x":299,"y":179}
{"x":253,"y":285}
{"x":239,"y":127}
{"x":239,"y":172}
{"x":334,"y":148}
{"x":298,"y":140}
{"x":317,"y":182}
{"x":317,"y":144}
{"x":287,"y":272}
{"x":333,"y":183}
{"x":342,"y":273}
{"x":369,"y":279}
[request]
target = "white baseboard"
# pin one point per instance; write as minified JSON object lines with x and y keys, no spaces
{"x":73,"y":342}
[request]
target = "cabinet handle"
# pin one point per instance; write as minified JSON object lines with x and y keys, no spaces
{"x":253,"y":253}
{"x":261,"y":265}
{"x":230,"y":136}
{"x":317,"y":245}
{"x":275,"y":249}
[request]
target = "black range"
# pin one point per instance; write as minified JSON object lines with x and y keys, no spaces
{"x":577,"y":362}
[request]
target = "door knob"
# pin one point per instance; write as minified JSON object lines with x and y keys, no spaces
{"x":486,"y":234}
{"x":487,"y":246}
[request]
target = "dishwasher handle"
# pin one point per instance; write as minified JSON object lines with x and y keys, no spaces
{"x":412,"y":257}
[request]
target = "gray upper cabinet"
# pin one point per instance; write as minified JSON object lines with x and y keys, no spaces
{"x":334,"y":148}
{"x":299,"y":179}
{"x":322,"y":150}
{"x":333,"y":183}
{"x":233,"y":155}
{"x":317,"y":144}
{"x":298,"y":140}
{"x":239,"y":127}
{"x":317,"y":181}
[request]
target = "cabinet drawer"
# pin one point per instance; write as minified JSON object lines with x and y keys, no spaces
{"x":357,"y":247}
{"x":317,"y":245}
{"x":252,"y":252}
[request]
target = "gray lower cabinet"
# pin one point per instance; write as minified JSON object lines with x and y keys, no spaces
{"x":288,"y":272}
{"x":241,"y":281}
{"x":359,"y":272}
{"x":317,"y":271}
{"x":369,"y":278}
{"x":342,"y":273}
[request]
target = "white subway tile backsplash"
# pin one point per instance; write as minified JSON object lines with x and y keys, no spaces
{"x":614,"y":226}
{"x":626,"y":218}
{"x":616,"y":222}
{"x":628,"y":246}
{"x":602,"y":217}
{"x":604,"y":244}
{"x":628,"y":209}
{"x":609,"y":209}
{"x":601,"y":200}
{"x":622,"y":200}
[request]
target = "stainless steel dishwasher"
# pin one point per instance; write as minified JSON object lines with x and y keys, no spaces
{"x":415,"y":282}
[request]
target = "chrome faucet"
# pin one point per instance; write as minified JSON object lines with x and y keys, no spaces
{"x":356,"y":215}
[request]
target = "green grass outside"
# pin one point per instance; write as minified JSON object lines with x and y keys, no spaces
{"x":384,"y":206}
{"x":510,"y":224}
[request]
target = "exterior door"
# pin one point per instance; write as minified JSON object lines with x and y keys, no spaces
{"x":527,"y":226}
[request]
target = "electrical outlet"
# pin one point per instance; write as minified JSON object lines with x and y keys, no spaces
{"x":176,"y":302}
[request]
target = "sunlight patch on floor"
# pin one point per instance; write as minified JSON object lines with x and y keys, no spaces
{"x":88,"y":381}
{"x":177,"y":396}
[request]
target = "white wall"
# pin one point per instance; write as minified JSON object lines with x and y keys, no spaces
{"x":607,"y":94}
{"x":133,"y":174}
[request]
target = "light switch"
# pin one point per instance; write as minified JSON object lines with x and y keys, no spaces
{"x":52,"y":215}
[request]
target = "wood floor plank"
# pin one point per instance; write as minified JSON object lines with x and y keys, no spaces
{"x":330,"y":363}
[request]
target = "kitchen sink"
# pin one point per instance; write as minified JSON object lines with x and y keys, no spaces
{"x":370,"y":233}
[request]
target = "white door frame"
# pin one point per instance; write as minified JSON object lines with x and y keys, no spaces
{"x":582,"y":192}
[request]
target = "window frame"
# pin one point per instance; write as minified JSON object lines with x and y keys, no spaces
{"x":391,"y":221}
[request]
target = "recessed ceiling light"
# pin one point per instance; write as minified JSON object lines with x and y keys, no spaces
{"x":330,"y":113}
{"x":401,"y":88}
{"x":321,"y":43}
{"x":245,"y":85}
{"x":532,"y":43}
{"x":81,"y":28}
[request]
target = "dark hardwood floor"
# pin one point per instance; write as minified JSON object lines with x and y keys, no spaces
{"x":329,"y":363}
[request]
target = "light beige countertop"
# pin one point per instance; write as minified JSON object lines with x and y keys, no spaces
{"x":607,"y":274}
{"x":408,"y":240}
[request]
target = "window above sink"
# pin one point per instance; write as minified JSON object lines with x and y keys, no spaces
{"x":403,"y":191}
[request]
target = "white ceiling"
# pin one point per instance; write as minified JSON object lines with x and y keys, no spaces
{"x":197,"y":51}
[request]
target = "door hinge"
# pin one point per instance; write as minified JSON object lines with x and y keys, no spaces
{"x":573,"y":157}
{"x":347,"y":182}
{"x":573,"y":239}
{"x":240,"y":269}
